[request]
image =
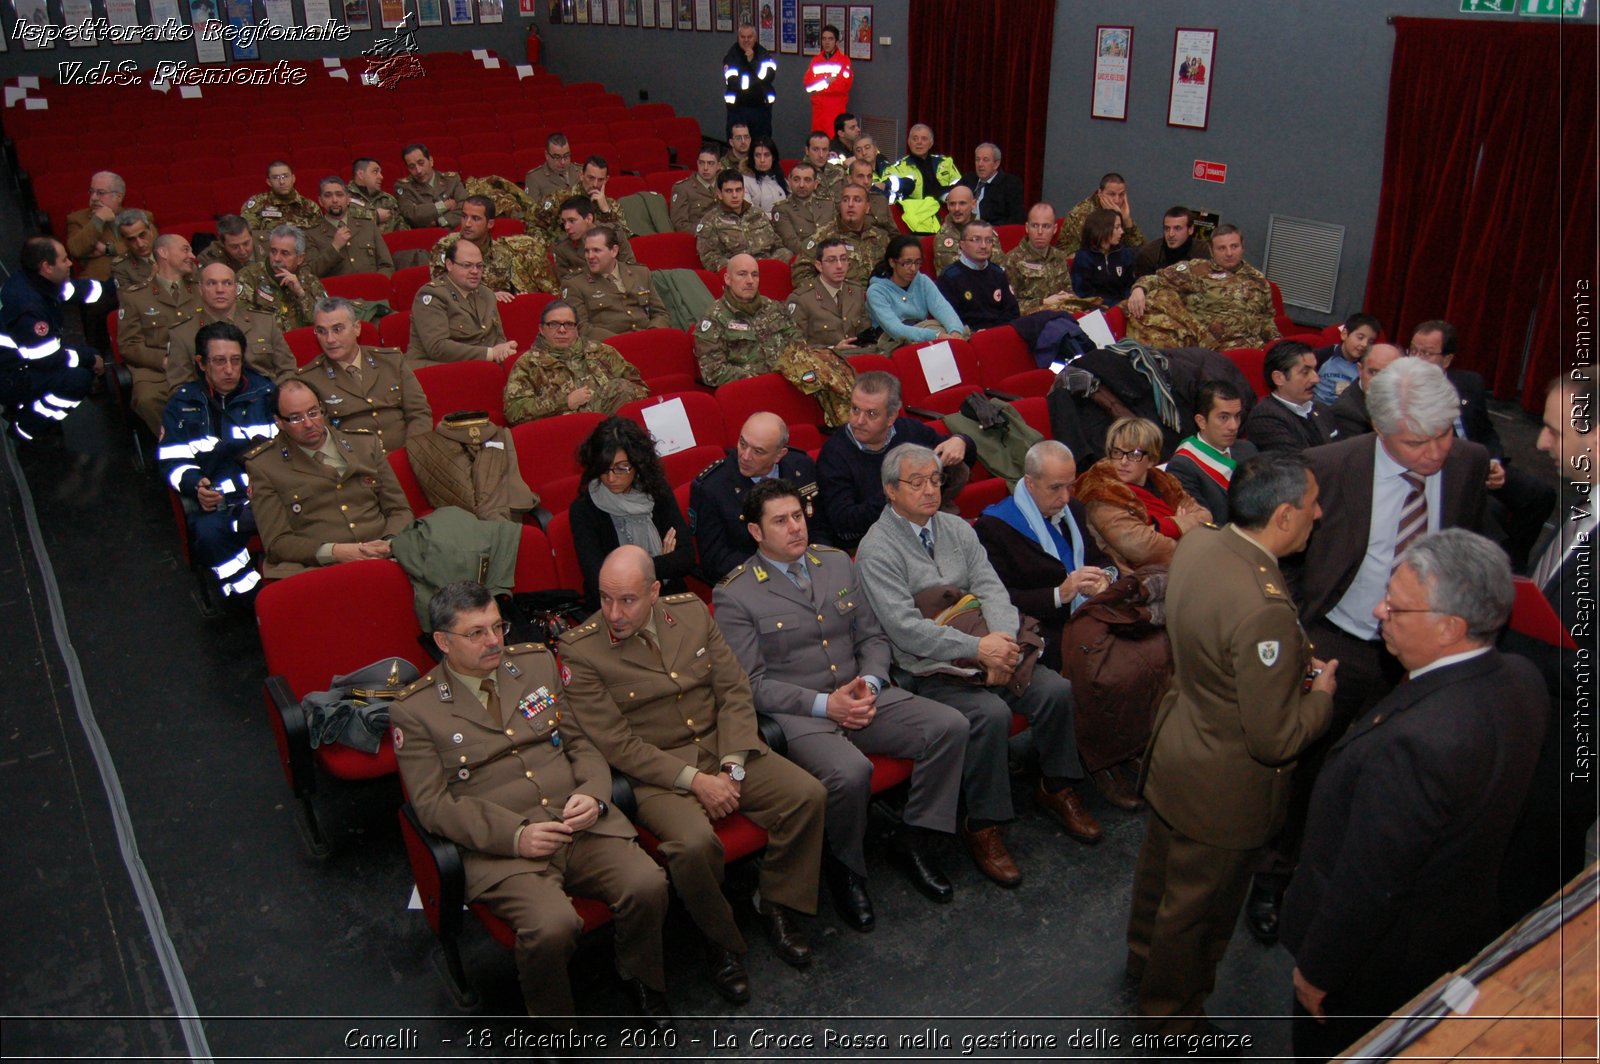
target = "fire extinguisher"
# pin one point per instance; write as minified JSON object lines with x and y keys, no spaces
{"x":535,"y":44}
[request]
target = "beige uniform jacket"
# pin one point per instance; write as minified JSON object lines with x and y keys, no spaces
{"x":828,"y":319}
{"x":623,"y":302}
{"x":265,"y":349}
{"x":450,"y":325}
{"x":381,"y":396}
{"x":148,"y":314}
{"x":423,"y":205}
{"x":365,"y":252}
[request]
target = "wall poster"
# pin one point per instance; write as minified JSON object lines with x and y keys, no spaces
{"x":1189,"y":98}
{"x":1113,"y":53}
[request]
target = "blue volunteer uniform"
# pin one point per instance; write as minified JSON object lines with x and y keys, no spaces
{"x":41,"y":378}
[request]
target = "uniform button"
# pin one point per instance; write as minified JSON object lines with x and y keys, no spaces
{"x":510,"y":733}
{"x":528,"y":774}
{"x":542,"y":801}
{"x":343,"y":507}
{"x":630,"y":694}
{"x":833,"y":668}
{"x":690,"y":722}
{"x":697,"y":738}
{"x":819,"y":616}
{"x":674,"y":676}
{"x":463,"y":759}
{"x":780,"y":624}
{"x":824,"y":642}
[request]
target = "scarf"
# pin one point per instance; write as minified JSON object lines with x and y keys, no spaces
{"x":1152,"y":365}
{"x":1025,"y":510}
{"x":630,"y":515}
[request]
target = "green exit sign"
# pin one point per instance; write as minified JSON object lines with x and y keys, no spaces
{"x":1490,"y":7}
{"x":1548,"y":8}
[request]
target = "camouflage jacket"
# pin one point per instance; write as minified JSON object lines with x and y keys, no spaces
{"x":517,"y":264}
{"x":867,"y":248}
{"x":738,"y":340}
{"x":265,"y":212}
{"x":1197,"y":304}
{"x":259,"y":290}
{"x":543,"y":377}
{"x":722,"y":234}
{"x":1070,"y":233}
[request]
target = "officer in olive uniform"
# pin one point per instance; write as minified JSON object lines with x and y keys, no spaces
{"x":1224,"y":742}
{"x":867,"y":242}
{"x":341,"y":241}
{"x":280,"y":204}
{"x":655,"y":686}
{"x":517,"y":264}
{"x":545,"y":180}
{"x":367,"y":194}
{"x":147,"y":313}
{"x":696,"y":194}
{"x":611,"y":296}
{"x":429,"y":197}
{"x":235,"y":245}
{"x":1041,"y":273}
{"x":363,"y":388}
{"x":590,"y":185}
{"x":1113,"y":195}
{"x":1221,"y":303}
{"x":283,"y":286}
{"x":132,"y":267}
{"x":493,"y":760}
{"x":733,"y":227}
{"x":806,"y":209}
{"x":831,"y":309}
{"x":456,"y":319}
{"x":962,"y":208}
{"x":321,"y":496}
{"x":578,"y":218}
{"x":554,"y":375}
{"x":266,"y":352}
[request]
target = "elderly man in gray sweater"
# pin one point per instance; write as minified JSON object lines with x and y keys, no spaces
{"x":914,"y":546}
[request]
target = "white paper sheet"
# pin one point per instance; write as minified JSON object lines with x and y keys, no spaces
{"x":939,"y":366}
{"x":1094,"y":324}
{"x":668,"y":424}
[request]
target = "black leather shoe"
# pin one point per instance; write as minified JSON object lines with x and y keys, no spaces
{"x":646,"y":1000}
{"x":920,"y":869}
{"x":788,"y":941}
{"x":1261,"y":910}
{"x":727,"y":974}
{"x":850,"y":898}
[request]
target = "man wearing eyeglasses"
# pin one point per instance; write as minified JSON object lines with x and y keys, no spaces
{"x":555,"y":174}
{"x":494,"y":761}
{"x":320,"y":496}
{"x":974,"y":285}
{"x":831,"y":309}
{"x":563,"y":374}
{"x":92,"y":237}
{"x":865,"y":242}
{"x":455,"y":318}
{"x":364,"y":388}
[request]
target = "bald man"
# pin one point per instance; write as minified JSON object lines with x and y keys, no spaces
{"x":147,"y":314}
{"x":716,"y":498}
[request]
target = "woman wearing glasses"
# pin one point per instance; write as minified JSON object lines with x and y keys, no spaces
{"x":562,"y":374}
{"x":1136,"y":511}
{"x":625,"y":498}
{"x":904,"y":303}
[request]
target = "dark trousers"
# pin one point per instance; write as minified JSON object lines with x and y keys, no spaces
{"x":757,"y":116}
{"x":1524,"y":503}
{"x":37,"y":398}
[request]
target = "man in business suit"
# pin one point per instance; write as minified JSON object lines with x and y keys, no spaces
{"x":999,"y":194}
{"x":1289,"y":419}
{"x":1349,"y":411}
{"x":795,"y":616}
{"x":1415,"y":803}
{"x":1411,"y":475}
{"x":654,"y":685}
{"x":1226,"y":737}
{"x":1204,"y":463}
{"x":1521,"y":501}
{"x":493,"y":761}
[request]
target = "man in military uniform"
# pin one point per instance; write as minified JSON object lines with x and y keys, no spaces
{"x":1112,"y":194}
{"x":146,"y":315}
{"x":41,"y":378}
{"x":455,"y":318}
{"x":830,"y":309}
{"x":428,"y":197}
{"x":280,"y":204}
{"x":235,"y":245}
{"x":831,"y":175}
{"x":1220,"y":303}
{"x":716,"y":498}
{"x":547,"y":217}
{"x":960,"y":205}
{"x":265,"y":350}
{"x":929,"y":176}
{"x":860,"y":175}
{"x":734,"y":227}
{"x":321,"y":497}
{"x":364,"y":388}
{"x":799,"y":215}
{"x":1226,"y":737}
{"x":555,"y":175}
{"x":494,"y":761}
{"x":1041,"y":273}
{"x":654,"y":685}
{"x":826,"y":683}
{"x":92,"y":237}
{"x":208,"y":425}
{"x":974,"y":285}
{"x":137,"y":261}
{"x":512,"y":265}
{"x":284,"y":285}
{"x":696,"y":194}
{"x":866,"y":243}
{"x":612,"y":296}
{"x":366,"y":192}
{"x":737,"y":156}
{"x":341,"y":241}
{"x":563,"y":374}
{"x":578,"y":219}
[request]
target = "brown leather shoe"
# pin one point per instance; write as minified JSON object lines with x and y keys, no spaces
{"x":989,"y":853}
{"x":1115,"y":788}
{"x":783,"y":929}
{"x":1067,"y":807}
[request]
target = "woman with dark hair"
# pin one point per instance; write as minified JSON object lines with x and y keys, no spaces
{"x":765,"y":186}
{"x":625,"y":498}
{"x":1102,"y":266}
{"x":1136,"y":512}
{"x":904,"y":303}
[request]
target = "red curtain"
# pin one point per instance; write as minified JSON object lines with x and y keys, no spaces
{"x":981,"y":72}
{"x":1488,"y":173}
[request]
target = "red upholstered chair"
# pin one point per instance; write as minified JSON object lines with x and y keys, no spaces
{"x":1532,"y":616}
{"x":1009,"y":236}
{"x":306,"y":644}
{"x":536,"y":562}
{"x":1251,"y":362}
{"x":395,"y":329}
{"x":520,"y":320}
{"x":654,"y":113}
{"x":1280,"y":315}
{"x":662,"y":181}
{"x":547,"y":448}
{"x":414,"y":240}
{"x":641,"y":155}
{"x":914,"y":388}
{"x":1036,"y":412}
{"x":705,"y":417}
{"x":1006,"y":364}
{"x":303,"y":344}
{"x":870,"y":363}
{"x":713,"y":282}
{"x":631,"y":128}
{"x":666,"y":251}
{"x":769,"y":392}
{"x":980,"y":493}
{"x":568,"y":572}
{"x":776,"y":282}
{"x":510,"y":226}
{"x":490,"y":164}
{"x":927,"y":255}
{"x":416,"y":496}
{"x":664,"y":357}
{"x":683,"y":136}
{"x":473,"y":385}
{"x":404,"y":285}
{"x":373,"y":287}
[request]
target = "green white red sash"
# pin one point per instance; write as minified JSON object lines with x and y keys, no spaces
{"x":1217,"y":465}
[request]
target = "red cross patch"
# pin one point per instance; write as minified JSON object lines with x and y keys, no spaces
{"x":41,"y":328}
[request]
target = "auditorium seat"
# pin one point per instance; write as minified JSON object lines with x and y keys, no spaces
{"x":477,"y":384}
{"x":1009,"y":236}
{"x":1251,"y":362}
{"x":914,"y":389}
{"x":414,"y":240}
{"x":547,"y":448}
{"x":372,"y":287}
{"x":662,"y":181}
{"x":641,"y":155}
{"x":404,"y":285}
{"x":683,"y":136}
{"x":666,"y":251}
{"x":395,"y":329}
{"x":776,"y":282}
{"x":664,"y":358}
{"x":520,"y":320}
{"x":1006,"y":363}
{"x":771,"y":393}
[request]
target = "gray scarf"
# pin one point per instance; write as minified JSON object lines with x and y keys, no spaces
{"x":631,"y":515}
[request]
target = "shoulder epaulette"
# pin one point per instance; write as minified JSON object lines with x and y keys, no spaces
{"x":259,"y":448}
{"x":733,"y":574}
{"x":685,"y":596}
{"x":702,"y":474}
{"x":387,"y":351}
{"x":415,"y":686}
{"x":824,"y":546}
{"x":140,"y":287}
{"x":524,"y":648}
{"x":572,"y":635}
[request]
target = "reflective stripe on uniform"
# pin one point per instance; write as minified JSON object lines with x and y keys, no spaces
{"x":170,"y":452}
{"x":50,"y":412}
{"x":35,"y":352}
{"x":249,"y":580}
{"x":175,"y":478}
{"x":225,"y":570}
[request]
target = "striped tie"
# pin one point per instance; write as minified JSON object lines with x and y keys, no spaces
{"x":1413,"y":515}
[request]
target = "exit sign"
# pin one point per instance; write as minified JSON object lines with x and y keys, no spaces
{"x":1489,"y":7}
{"x":1551,"y":8}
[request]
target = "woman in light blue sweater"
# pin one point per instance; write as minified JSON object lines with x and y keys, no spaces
{"x":904,"y":303}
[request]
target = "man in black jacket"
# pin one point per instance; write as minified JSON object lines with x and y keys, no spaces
{"x":1349,"y":411}
{"x":999,"y":194}
{"x":1289,"y":419}
{"x":749,"y":84}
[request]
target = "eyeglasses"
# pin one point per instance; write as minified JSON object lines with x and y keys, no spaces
{"x":561,"y":157}
{"x":481,"y":634}
{"x":909,"y":262}
{"x":470,"y":267}
{"x":102,"y":192}
{"x":316,"y":413}
{"x":919,"y":483}
{"x":621,"y":469}
{"x":1117,"y":454}
{"x":221,"y":362}
{"x":1389,"y":609}
{"x":835,"y":259}
{"x":560,"y":325}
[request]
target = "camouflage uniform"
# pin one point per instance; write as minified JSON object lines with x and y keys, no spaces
{"x":546,"y":216}
{"x":737,"y":340}
{"x":259,"y":290}
{"x":517,"y":264}
{"x":1197,"y":304}
{"x":569,"y":257}
{"x":372,"y":202}
{"x":831,"y":179}
{"x":691,"y":199}
{"x":878,"y":211}
{"x":795,"y":220}
{"x":947,"y":246}
{"x":867,"y":248}
{"x":734,"y":161}
{"x":1035,"y":275}
{"x":722,"y":234}
{"x":542,"y":379}
{"x":623,"y":302}
{"x":420,"y":203}
{"x":266,"y":211}
{"x":1070,"y":235}
{"x":509,"y":200}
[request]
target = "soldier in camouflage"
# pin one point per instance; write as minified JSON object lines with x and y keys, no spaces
{"x":512,"y":265}
{"x":281,"y":204}
{"x":867,"y":242}
{"x":1220,"y":303}
{"x":1040,"y":272}
{"x":962,"y":206}
{"x":562,"y":374}
{"x":797,"y":217}
{"x":1112,"y":195}
{"x":546,"y":217}
{"x":284,"y":285}
{"x":367,"y":194}
{"x":578,"y":220}
{"x":733,"y":227}
{"x":830,"y":175}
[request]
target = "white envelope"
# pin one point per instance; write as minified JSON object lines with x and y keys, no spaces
{"x":668,"y":424}
{"x":1094,"y":324}
{"x":939,"y":366}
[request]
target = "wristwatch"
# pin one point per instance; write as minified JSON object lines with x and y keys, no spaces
{"x":735,"y":772}
{"x":604,"y":808}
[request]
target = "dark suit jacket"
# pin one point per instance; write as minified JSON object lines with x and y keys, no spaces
{"x":1475,"y":410}
{"x":1350,"y":412}
{"x":1406,"y":828}
{"x":1344,"y":479}
{"x":595,"y":536}
{"x":1002,"y":200}
{"x":1198,"y":482}
{"x":1272,"y":426}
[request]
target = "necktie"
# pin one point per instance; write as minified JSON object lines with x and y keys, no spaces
{"x":800,"y":576}
{"x":927,"y":541}
{"x":1413,"y":514}
{"x":491,"y":698}
{"x":1560,"y":543}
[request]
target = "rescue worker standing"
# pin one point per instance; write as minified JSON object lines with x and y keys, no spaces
{"x":749,"y":84}
{"x":828,"y":80}
{"x":41,"y":379}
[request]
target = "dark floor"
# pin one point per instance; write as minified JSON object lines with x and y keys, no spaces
{"x":286,"y":957}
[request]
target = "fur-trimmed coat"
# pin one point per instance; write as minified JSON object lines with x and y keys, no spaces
{"x":1137,"y":527}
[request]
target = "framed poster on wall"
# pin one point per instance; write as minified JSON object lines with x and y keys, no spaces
{"x":613,"y":12}
{"x":724,"y":16}
{"x":859,"y":32}
{"x":767,"y":24}
{"x":1113,"y":56}
{"x":810,"y":29}
{"x":1189,"y":97}
{"x":837,"y":16}
{"x":686,"y":14}
{"x":630,"y":12}
{"x":789,"y":26}
{"x":746,"y":13}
